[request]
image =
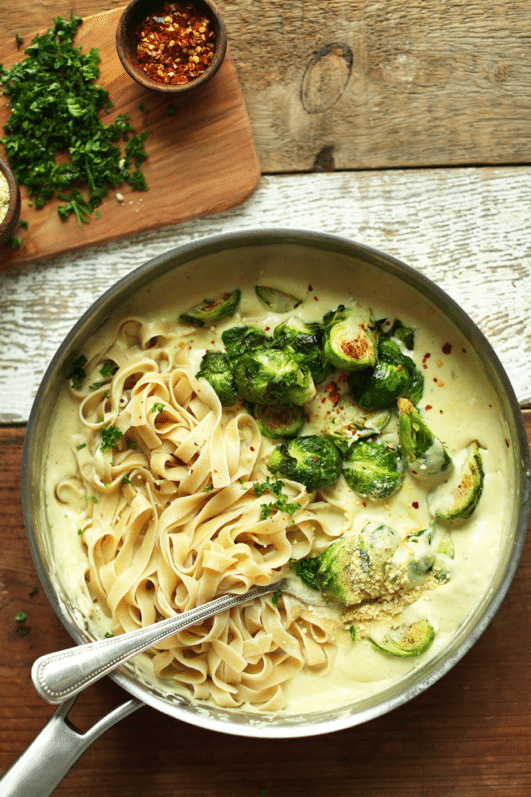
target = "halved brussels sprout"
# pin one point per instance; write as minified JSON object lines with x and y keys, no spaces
{"x":215,"y":369}
{"x":279,"y":421}
{"x":350,"y":338}
{"x":425,"y":454}
{"x":347,"y":422}
{"x":312,"y":460}
{"x":395,"y":374}
{"x":424,"y":553}
{"x":272,"y":376}
{"x":373,"y":469}
{"x":457,"y":498}
{"x":238,"y":340}
{"x":353,"y":567}
{"x":408,"y":639}
{"x":305,"y":341}
{"x":210,"y":310}
{"x":276,"y":300}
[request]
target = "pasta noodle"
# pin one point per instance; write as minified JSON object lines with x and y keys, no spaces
{"x":172,"y":521}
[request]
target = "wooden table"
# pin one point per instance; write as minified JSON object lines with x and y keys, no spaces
{"x":406,"y":127}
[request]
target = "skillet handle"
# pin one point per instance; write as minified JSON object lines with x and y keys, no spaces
{"x":51,"y":755}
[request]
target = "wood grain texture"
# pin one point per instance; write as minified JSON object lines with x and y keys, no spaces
{"x":468,"y":735}
{"x":430,"y":82}
{"x":201,"y":159}
{"x":466,"y":229}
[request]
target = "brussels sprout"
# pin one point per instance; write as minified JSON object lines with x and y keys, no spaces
{"x":305,"y":341}
{"x":422,"y":554}
{"x":238,"y":340}
{"x":395,"y":374}
{"x":373,"y":469}
{"x":276,"y":300}
{"x":210,"y":310}
{"x":312,"y":460}
{"x":408,"y":639}
{"x":405,"y":335}
{"x":273,"y":377}
{"x":350,"y":338}
{"x":457,"y":498}
{"x":279,"y":421}
{"x":215,"y":369}
{"x":425,"y":454}
{"x":347,"y":422}
{"x":353,"y":567}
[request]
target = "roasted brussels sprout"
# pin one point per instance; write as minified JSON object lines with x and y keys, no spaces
{"x":373,"y":468}
{"x":312,"y":460}
{"x":238,"y":340}
{"x":273,"y":377}
{"x":276,"y":300}
{"x":350,"y":338}
{"x":278,"y":422}
{"x":424,"y":453}
{"x":210,"y":310}
{"x":408,"y":639}
{"x":346,"y":422}
{"x":216,"y":370}
{"x":395,"y":374}
{"x":405,"y":335}
{"x":353,"y":568}
{"x":426,"y":552}
{"x":457,"y":498}
{"x":305,"y":341}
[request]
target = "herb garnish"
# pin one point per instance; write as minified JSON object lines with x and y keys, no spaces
{"x":55,"y":105}
{"x":282,"y":503}
{"x":109,"y":437}
{"x":77,"y":373}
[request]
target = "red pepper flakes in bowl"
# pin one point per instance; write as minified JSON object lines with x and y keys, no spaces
{"x":174,"y":47}
{"x":175,"y":44}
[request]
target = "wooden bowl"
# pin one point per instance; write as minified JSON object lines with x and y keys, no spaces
{"x":10,"y":220}
{"x":127,"y":40}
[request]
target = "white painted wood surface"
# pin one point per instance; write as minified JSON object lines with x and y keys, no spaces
{"x":465,"y":228}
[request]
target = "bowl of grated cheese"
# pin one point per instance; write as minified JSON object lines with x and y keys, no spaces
{"x":9,"y":203}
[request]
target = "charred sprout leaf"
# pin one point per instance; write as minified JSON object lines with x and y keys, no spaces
{"x":216,"y":370}
{"x":276,"y":300}
{"x":427,"y":552}
{"x":353,"y":567}
{"x":279,"y":422}
{"x":305,"y":341}
{"x":408,"y":639}
{"x":238,"y":340}
{"x":350,"y":338}
{"x":55,"y":103}
{"x":273,"y":377}
{"x":373,"y":469}
{"x":346,"y":422}
{"x":210,"y":310}
{"x":312,"y":460}
{"x":457,"y":498}
{"x":424,"y":453}
{"x":394,"y":375}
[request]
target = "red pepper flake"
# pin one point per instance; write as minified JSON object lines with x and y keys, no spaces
{"x":447,"y":348}
{"x":415,"y":504}
{"x":310,"y":289}
{"x":507,"y":443}
{"x":428,"y":407}
{"x":175,"y":44}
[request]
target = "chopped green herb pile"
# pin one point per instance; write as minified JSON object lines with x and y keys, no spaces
{"x":54,"y":139}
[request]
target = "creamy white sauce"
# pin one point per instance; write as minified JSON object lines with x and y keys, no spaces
{"x":458,"y":404}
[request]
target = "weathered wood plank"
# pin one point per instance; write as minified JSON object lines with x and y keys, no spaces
{"x":467,"y":229}
{"x":470,"y":731}
{"x":369,"y":84}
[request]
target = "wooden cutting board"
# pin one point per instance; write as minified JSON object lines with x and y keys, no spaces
{"x":201,"y":160}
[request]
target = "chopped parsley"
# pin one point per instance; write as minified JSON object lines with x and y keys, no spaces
{"x":107,"y":370}
{"x":126,"y":480}
{"x":77,"y":373}
{"x":21,"y":617}
{"x":80,"y":446}
{"x":109,"y":437}
{"x":308,"y":570}
{"x":157,"y":407}
{"x":282,"y":503}
{"x":55,"y":104}
{"x":276,"y":597}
